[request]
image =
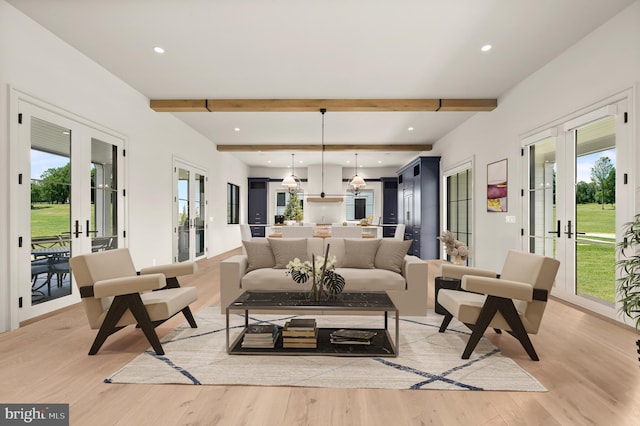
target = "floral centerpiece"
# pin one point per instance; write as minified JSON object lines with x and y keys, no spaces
{"x":325,"y":282}
{"x":454,"y":248}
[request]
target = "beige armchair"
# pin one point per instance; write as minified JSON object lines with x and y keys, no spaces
{"x":114,"y":295}
{"x":514,"y":302}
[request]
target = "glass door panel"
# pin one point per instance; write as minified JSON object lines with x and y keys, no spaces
{"x":50,"y":211}
{"x":544,"y":230}
{"x":103,"y":222}
{"x":199,"y":213}
{"x":183,"y":215}
{"x":595,"y":228}
{"x":190,"y":240}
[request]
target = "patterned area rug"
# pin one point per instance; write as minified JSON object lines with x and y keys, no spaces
{"x":427,"y":360}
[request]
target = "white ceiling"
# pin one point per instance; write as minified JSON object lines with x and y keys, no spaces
{"x":282,"y":49}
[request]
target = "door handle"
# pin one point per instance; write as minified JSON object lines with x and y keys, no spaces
{"x":77,"y":231}
{"x":569,"y":233}
{"x":557,"y":231}
{"x":87,"y":229}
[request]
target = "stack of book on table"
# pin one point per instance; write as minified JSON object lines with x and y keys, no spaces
{"x":352,"y":337}
{"x":260,"y":336}
{"x":300,"y":333}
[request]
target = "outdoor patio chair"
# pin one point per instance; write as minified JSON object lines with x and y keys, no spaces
{"x":514,"y":302}
{"x":115,"y":295}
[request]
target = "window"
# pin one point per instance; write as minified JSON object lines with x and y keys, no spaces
{"x":360,"y":206}
{"x":233,"y":203}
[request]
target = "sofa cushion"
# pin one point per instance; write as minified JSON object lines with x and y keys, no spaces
{"x":271,"y":279}
{"x":259,"y":254}
{"x":336,"y":248}
{"x":360,"y":253}
{"x":355,"y":280}
{"x":287,"y":249}
{"x":391,"y":253}
{"x":371,"y":279}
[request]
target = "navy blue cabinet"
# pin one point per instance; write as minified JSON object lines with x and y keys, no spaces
{"x":419,"y":205}
{"x":257,"y":205}
{"x":389,"y":205}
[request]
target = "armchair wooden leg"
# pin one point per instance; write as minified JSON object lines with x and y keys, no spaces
{"x":510,"y":314}
{"x":189,"y":316}
{"x":445,"y":322}
{"x":487,"y":313}
{"x":142,"y":317}
{"x":508,"y":310}
{"x":116,"y":310}
{"x":118,"y":307}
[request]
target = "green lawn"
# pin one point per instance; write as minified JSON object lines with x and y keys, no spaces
{"x":596,"y":255}
{"x":591,"y":218}
{"x":50,"y":219}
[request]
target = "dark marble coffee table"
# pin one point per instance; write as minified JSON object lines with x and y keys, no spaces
{"x":288,"y":302}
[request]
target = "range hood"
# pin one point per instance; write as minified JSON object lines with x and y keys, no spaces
{"x":332,"y":184}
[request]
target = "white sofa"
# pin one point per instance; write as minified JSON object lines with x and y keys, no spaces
{"x":365,"y":264}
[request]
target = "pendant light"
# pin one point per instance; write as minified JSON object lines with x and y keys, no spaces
{"x":291,"y":182}
{"x":357,"y":182}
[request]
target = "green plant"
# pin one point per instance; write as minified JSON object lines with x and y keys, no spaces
{"x":293,"y":210}
{"x":629,"y":265}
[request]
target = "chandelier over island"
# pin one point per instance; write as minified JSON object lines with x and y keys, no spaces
{"x":292,"y":182}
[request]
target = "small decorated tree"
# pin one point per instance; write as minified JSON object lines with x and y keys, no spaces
{"x":293,"y":210}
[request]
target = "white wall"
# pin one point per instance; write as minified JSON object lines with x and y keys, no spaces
{"x":602,"y":64}
{"x":41,"y":65}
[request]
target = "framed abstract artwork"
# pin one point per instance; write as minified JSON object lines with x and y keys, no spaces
{"x":497,"y":186}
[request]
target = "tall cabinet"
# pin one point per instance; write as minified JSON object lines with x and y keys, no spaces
{"x":419,"y":205}
{"x":389,"y":205}
{"x":257,"y":205}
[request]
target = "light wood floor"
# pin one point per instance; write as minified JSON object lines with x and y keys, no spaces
{"x":588,"y":364}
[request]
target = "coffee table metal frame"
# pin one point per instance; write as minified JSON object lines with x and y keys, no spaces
{"x":296,"y":301}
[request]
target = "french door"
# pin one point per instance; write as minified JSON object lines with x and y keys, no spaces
{"x":190,"y":212}
{"x":67,"y":201}
{"x":578,"y":196}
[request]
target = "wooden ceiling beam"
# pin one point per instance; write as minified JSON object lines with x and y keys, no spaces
{"x":332,"y":147}
{"x":468,"y":105}
{"x":314,"y":105}
{"x":179,"y":105}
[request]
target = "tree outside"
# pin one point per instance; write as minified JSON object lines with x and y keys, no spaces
{"x":600,"y":174}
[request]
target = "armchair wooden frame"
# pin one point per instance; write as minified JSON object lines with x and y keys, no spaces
{"x":513,"y":301}
{"x":492,"y":306}
{"x":115,"y":295}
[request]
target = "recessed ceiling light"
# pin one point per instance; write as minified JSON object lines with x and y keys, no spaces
{"x":237,"y":129}
{"x":268,"y":161}
{"x":65,"y":133}
{"x":158,"y":50}
{"x":348,"y":161}
{"x":410,"y":129}
{"x":486,"y":48}
{"x":379,"y":161}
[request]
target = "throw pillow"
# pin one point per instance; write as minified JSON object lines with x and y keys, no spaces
{"x":259,"y":254}
{"x":287,"y":249}
{"x":360,"y":253}
{"x":391,"y":253}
